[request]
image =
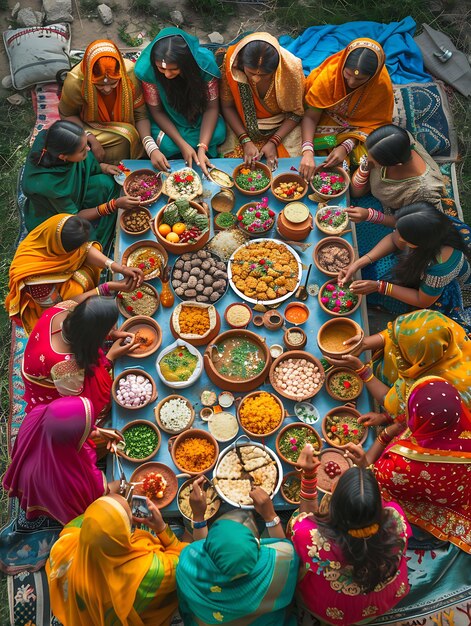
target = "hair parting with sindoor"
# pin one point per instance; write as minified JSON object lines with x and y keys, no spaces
{"x":356,"y":503}
{"x":362,"y":59}
{"x":258,"y":55}
{"x":62,"y":137}
{"x":186,"y":93}
{"x":87,"y":326}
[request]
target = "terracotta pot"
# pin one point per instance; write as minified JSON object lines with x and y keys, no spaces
{"x":269,"y":433}
{"x":273,"y":320}
{"x":157,"y":409}
{"x":156,"y":449}
{"x":223,"y":201}
{"x":337,"y":314}
{"x":289,"y":177}
{"x":137,"y":322}
{"x":341,"y":411}
{"x":296,"y":354}
{"x":329,"y":241}
{"x":335,"y":170}
{"x":254,"y":235}
{"x":159,"y":468}
{"x":137,"y":372}
{"x":300,"y":305}
{"x":324,"y":481}
{"x":180,"y":248}
{"x":204,"y":340}
{"x":136,"y":174}
{"x":297,"y":425}
{"x":292,"y":346}
{"x":341,"y":330}
{"x":256,"y":166}
{"x":290,"y":476}
{"x":238,"y":304}
{"x":193,"y":433}
{"x":219,"y":227}
{"x":122,"y":221}
{"x":326,"y":228}
{"x":228,"y":384}
{"x":160,"y":253}
{"x":125,"y":313}
{"x":296,"y":231}
{"x":341,"y":370}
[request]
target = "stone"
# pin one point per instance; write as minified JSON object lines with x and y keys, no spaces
{"x":216,"y":37}
{"x":57,"y":11}
{"x":14,"y":11}
{"x":105,"y":14}
{"x":7,"y":82}
{"x":27,"y":17}
{"x":176,"y":17}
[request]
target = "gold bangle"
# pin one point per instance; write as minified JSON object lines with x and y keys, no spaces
{"x":369,"y":378}
{"x":109,"y":263}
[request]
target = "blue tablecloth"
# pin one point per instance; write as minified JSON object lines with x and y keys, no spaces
{"x":322,"y":400}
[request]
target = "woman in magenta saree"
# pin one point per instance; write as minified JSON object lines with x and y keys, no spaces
{"x":53,"y":468}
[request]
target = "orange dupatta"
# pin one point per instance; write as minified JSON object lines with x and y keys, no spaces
{"x":289,"y":85}
{"x":365,"y":108}
{"x":40,"y":258}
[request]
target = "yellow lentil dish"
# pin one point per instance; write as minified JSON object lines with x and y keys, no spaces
{"x":194,"y":320}
{"x":260,"y":414}
{"x":195,"y":454}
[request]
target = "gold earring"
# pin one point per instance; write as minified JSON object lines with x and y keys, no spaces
{"x":356,"y":72}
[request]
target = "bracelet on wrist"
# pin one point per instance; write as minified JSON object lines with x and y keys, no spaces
{"x":198,"y":525}
{"x":202,"y":145}
{"x":274,"y":522}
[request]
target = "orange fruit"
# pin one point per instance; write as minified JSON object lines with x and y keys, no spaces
{"x":164,"y":229}
{"x":179,"y":228}
{"x":172,"y":237}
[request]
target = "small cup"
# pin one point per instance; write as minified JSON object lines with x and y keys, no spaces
{"x":276,"y":350}
{"x":273,"y":320}
{"x":206,"y":413}
{"x":258,"y":320}
{"x":225,"y":399}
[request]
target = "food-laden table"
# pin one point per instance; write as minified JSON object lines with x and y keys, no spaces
{"x":322,"y":401}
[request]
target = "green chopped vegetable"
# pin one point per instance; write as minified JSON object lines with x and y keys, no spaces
{"x":140,"y":441}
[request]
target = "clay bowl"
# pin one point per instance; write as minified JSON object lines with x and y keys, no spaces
{"x":338,"y":371}
{"x":289,"y":177}
{"x":334,"y":332}
{"x":341,"y":411}
{"x":193,"y":433}
{"x":202,"y":341}
{"x":144,"y":287}
{"x":228,"y":383}
{"x":273,"y":320}
{"x":296,"y":305}
{"x":331,"y":241}
{"x":137,"y":174}
{"x":154,"y":452}
{"x":159,"y":468}
{"x":158,"y":408}
{"x":128,"y":214}
{"x":258,"y":233}
{"x":213,"y":506}
{"x":220,"y":178}
{"x":287,"y":340}
{"x":250,"y":433}
{"x":223,"y":201}
{"x":137,"y":372}
{"x":296,"y":354}
{"x":331,"y":170}
{"x":294,"y":221}
{"x":227,"y":313}
{"x":316,"y":440}
{"x":159,"y":253}
{"x":290,"y":476}
{"x":336,"y":313}
{"x":180,"y":248}
{"x":139,"y":324}
{"x":224,"y":216}
{"x":327,"y":228}
{"x":324,"y":481}
{"x":257,"y":166}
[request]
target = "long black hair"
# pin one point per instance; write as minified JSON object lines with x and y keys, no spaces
{"x":258,"y":55}
{"x":75,"y":232}
{"x":186,"y":93}
{"x":422,"y":225}
{"x":362,"y":59}
{"x":356,"y":504}
{"x":62,"y":137}
{"x":87,"y":326}
{"x":389,"y":145}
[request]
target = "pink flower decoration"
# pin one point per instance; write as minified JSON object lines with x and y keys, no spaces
{"x":330,"y":287}
{"x":334,"y":294}
{"x":293,"y":440}
{"x":294,"y":448}
{"x":341,"y":293}
{"x":265,"y":201}
{"x":338,"y":303}
{"x":336,"y":309}
{"x":258,"y":214}
{"x":324,"y":300}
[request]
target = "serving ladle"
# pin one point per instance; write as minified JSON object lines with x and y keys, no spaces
{"x":301,"y":292}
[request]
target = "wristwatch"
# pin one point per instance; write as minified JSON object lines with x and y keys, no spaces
{"x":275,"y":521}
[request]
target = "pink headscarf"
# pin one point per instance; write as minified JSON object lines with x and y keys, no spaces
{"x":53,"y":469}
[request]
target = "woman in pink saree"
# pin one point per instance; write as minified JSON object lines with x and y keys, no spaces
{"x":53,"y":468}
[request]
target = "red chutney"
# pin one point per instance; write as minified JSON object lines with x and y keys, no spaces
{"x":296,"y":314}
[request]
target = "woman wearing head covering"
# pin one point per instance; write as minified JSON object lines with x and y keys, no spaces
{"x":427,"y":470}
{"x":233,"y":577}
{"x":102,"y":94}
{"x":56,"y":261}
{"x":180,"y":81}
{"x":353,"y":565}
{"x":347,"y":96}
{"x":53,"y":464}
{"x":262,"y":100}
{"x":100,"y":571}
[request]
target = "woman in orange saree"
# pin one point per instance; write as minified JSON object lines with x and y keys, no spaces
{"x":347,"y":96}
{"x":262,"y":100}
{"x":102,"y":94}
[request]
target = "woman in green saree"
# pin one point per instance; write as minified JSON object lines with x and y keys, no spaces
{"x":61,"y":175}
{"x":180,"y":81}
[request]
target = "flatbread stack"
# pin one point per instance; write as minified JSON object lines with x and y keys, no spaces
{"x":243,"y":467}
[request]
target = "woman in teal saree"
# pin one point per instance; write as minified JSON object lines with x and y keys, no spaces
{"x":180,"y":81}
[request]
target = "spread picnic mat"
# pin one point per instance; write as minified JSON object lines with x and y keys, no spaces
{"x":441,"y":594}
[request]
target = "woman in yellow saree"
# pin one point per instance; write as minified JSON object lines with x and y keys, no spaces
{"x":262,"y":100}
{"x":101,"y":572}
{"x":102,"y":94}
{"x":347,"y":96}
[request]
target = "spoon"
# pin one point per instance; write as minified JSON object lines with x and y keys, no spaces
{"x":301,"y":292}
